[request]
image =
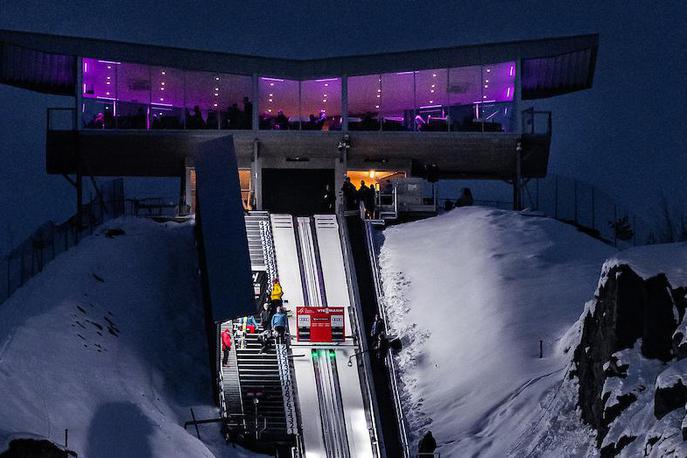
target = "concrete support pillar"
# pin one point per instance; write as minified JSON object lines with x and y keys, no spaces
{"x":256,"y":175}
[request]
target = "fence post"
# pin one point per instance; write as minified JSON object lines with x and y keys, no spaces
{"x":593,"y":209}
{"x":615,"y":218}
{"x":537,"y":193}
{"x":556,"y":198}
{"x":575,"y":200}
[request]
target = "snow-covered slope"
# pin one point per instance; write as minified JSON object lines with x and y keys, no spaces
{"x":472,"y":292}
{"x":109,"y":342}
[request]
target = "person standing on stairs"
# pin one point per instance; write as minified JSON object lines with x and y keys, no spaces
{"x":276,"y":294}
{"x":279,"y":324}
{"x":266,"y":317}
{"x":226,"y":346}
{"x":377,"y":327}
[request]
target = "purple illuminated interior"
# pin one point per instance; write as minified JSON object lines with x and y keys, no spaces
{"x":431,"y":94}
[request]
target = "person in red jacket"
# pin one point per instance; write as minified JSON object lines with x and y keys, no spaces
{"x":226,"y":346}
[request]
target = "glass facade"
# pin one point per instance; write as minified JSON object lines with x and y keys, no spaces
{"x":124,"y":95}
{"x":279,"y":103}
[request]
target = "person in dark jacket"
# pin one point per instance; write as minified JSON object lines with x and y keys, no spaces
{"x":265,"y":342}
{"x":279,"y":323}
{"x":349,"y":194}
{"x":226,"y":346}
{"x":465,"y":199}
{"x":266,"y":316}
{"x":427,"y":445}
{"x":382,"y":346}
{"x":328,"y":200}
{"x":377,"y":326}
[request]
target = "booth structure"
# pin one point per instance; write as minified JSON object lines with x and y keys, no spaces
{"x":300,"y":124}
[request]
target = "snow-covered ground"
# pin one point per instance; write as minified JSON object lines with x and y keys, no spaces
{"x":473,"y":291}
{"x":109,"y":343}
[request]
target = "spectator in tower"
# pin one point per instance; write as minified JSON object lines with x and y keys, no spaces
{"x":427,"y":445}
{"x":377,"y":327}
{"x":276,"y":294}
{"x":266,"y":317}
{"x":233,"y":117}
{"x":328,"y":200}
{"x":349,"y":194}
{"x":99,"y":121}
{"x":247,"y":113}
{"x":465,"y":199}
{"x":226,"y":346}
{"x":279,"y":324}
{"x":281,"y":121}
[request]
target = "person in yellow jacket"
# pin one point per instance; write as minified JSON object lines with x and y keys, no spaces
{"x":276,"y":295}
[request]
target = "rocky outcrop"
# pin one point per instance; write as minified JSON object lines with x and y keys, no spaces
{"x":629,"y":312}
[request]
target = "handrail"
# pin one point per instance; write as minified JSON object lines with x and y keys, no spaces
{"x":356,"y":319}
{"x":400,"y":415}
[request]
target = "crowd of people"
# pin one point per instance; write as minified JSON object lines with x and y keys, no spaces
{"x":365,"y":194}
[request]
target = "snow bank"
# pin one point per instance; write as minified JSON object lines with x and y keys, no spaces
{"x":650,"y":260}
{"x":109,"y":342}
{"x":473,"y":291}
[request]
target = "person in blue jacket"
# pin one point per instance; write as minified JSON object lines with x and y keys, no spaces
{"x":279,"y":323}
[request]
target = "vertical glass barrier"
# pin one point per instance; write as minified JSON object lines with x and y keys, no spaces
{"x":364,"y":99}
{"x":464,"y":97}
{"x":398,"y":101}
{"x":235,"y":101}
{"x":498,"y":86}
{"x":432,"y":100}
{"x":279,"y":103}
{"x":321,"y":101}
{"x":99,"y":92}
{"x":133,"y":96}
{"x":201,"y":110}
{"x":166,"y":99}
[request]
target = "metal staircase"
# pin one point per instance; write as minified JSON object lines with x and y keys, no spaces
{"x":254,"y":221}
{"x":261,"y":389}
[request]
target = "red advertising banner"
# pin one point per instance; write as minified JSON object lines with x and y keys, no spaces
{"x":320,"y":324}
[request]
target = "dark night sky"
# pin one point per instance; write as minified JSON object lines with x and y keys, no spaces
{"x":624,"y":135}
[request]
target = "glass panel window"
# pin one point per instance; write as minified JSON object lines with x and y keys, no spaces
{"x":498,"y":87}
{"x":464,"y":97}
{"x":201,"y":100}
{"x":321,"y":103}
{"x":398,"y":101}
{"x":432,"y":100}
{"x":167,"y":98}
{"x":364,"y":99}
{"x":235,"y":101}
{"x":99,"y":91}
{"x":279,"y":103}
{"x":133,"y":95}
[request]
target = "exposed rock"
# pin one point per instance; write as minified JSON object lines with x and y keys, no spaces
{"x":669,"y":398}
{"x":614,"y":449}
{"x":626,"y":309}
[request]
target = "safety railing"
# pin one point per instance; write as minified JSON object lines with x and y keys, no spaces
{"x":391,"y":364}
{"x":536,"y":122}
{"x":370,"y":397}
{"x":50,"y":240}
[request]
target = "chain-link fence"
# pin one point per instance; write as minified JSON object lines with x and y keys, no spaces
{"x":49,"y":240}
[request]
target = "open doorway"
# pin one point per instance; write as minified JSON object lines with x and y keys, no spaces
{"x":296,"y":191}
{"x":376,"y":178}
